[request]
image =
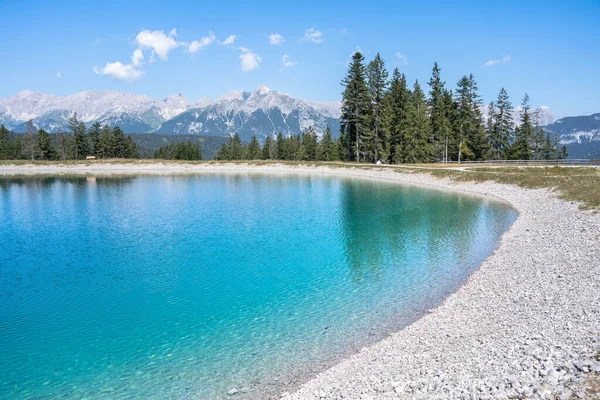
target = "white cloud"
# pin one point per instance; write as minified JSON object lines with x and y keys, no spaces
{"x":249,"y":59}
{"x":198,"y":45}
{"x":287,"y":62}
{"x":124,"y":72}
{"x":137,"y":57}
{"x":503,"y":60}
{"x":276,"y":38}
{"x":58,"y":75}
{"x":229,"y":41}
{"x":158,"y":41}
{"x":402,"y":60}
{"x":313,"y":35}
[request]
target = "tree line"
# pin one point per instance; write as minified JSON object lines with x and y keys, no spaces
{"x":80,"y":142}
{"x":179,"y":151}
{"x":299,"y":147}
{"x":386,"y":120}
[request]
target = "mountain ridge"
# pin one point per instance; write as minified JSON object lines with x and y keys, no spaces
{"x":140,"y":113}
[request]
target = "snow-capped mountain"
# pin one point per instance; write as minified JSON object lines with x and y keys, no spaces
{"x":542,"y":115}
{"x":581,"y":134}
{"x":582,"y":129}
{"x":133,"y":112}
{"x":262,"y":112}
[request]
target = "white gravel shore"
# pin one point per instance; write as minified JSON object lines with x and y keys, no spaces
{"x":526,"y":324}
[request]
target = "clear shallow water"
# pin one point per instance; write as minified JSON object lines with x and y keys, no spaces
{"x":188,"y":286}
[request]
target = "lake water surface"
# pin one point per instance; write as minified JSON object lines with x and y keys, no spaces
{"x":158,"y":287}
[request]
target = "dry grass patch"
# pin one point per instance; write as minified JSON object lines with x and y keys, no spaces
{"x":580,"y":184}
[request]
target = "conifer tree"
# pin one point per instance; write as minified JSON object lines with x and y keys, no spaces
{"x":94,"y":135}
{"x":267,"y":149}
{"x":337,"y":151}
{"x":326,"y":146}
{"x":549,"y":151}
{"x":105,"y":146}
{"x":280,"y":147}
{"x":440,"y":125}
{"x":47,"y":151}
{"x":29,"y":143}
{"x":309,"y":144}
{"x":399,"y":107}
{"x":16,"y":149}
{"x":377,"y":84}
{"x":472,"y":143}
{"x":356,"y":110}
{"x":296,"y":151}
{"x":537,"y":140}
{"x":119,"y":144}
{"x":489,"y":126}
{"x":502,"y":132}
{"x":446,"y":139}
{"x":77,"y":127}
{"x":223,"y":153}
{"x":179,"y":151}
{"x":4,"y":144}
{"x":236,"y":150}
{"x":521,"y":149}
{"x":253,"y":152}
{"x":416,"y":146}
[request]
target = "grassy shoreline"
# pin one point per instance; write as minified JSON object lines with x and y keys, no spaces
{"x":577,"y":184}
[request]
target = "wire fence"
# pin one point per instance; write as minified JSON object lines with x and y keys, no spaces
{"x":567,"y":161}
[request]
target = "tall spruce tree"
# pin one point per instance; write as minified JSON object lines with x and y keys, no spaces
{"x":472,"y":143}
{"x":326,"y":146}
{"x":78,"y":129}
{"x":29,"y":143}
{"x":521,"y":149}
{"x":309,"y":144}
{"x":502,"y":132}
{"x":399,"y":109}
{"x":377,"y":83}
{"x":253,"y":152}
{"x":267,"y":149}
{"x":94,"y":136}
{"x":440,"y":125}
{"x":105,"y":146}
{"x":355,"y":120}
{"x":417,"y":148}
{"x":537,"y":140}
{"x":446,"y":132}
{"x":236,"y":150}
{"x":464,"y":120}
{"x":47,"y":151}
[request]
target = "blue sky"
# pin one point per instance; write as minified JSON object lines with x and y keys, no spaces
{"x":550,"y":49}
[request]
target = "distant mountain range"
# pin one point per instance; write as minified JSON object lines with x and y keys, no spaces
{"x":261,"y":112}
{"x":581,"y":135}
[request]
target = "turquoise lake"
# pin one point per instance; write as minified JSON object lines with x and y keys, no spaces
{"x":181,"y":287}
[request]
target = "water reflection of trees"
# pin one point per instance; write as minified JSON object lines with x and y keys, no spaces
{"x":388,"y":226}
{"x":44,"y":181}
